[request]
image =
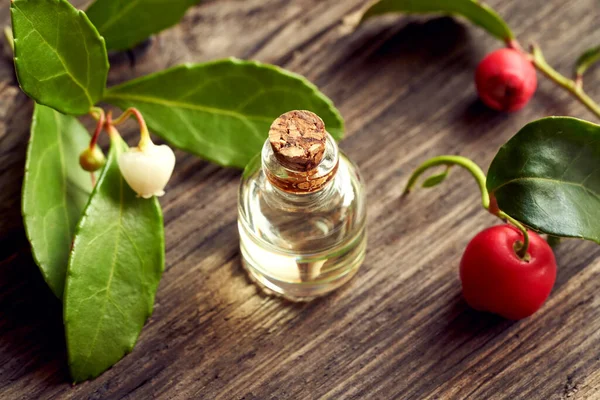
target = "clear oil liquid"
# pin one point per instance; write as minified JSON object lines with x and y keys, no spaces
{"x":302,"y":246}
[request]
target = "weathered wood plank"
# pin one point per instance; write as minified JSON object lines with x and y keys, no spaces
{"x":400,"y":328}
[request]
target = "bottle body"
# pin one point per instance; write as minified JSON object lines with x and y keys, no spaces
{"x":302,"y":236}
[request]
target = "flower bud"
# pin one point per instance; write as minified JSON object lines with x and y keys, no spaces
{"x":147,"y":168}
{"x":505,"y":80}
{"x":92,"y":159}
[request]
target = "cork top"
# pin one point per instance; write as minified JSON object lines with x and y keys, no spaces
{"x":298,"y":140}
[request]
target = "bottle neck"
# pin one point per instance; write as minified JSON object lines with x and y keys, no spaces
{"x":301,"y":183}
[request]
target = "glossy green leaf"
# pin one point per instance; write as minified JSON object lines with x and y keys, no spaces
{"x":125,"y":23}
{"x":55,"y":191}
{"x":60,"y":58}
{"x":222,"y":110}
{"x":586,"y":60}
{"x":114,"y":270}
{"x":436,"y":179}
{"x":474,"y":11}
{"x":548,"y":177}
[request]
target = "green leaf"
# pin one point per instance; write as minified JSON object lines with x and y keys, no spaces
{"x":436,"y":179}
{"x":586,"y":60}
{"x":548,"y":177}
{"x":222,"y":110}
{"x":60,"y":58}
{"x":476,"y":12}
{"x":125,"y":23}
{"x":55,"y":191}
{"x":114,"y":270}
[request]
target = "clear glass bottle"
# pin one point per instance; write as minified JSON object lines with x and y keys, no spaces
{"x":302,"y":232}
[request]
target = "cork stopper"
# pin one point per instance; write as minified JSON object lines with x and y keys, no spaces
{"x":298,"y":140}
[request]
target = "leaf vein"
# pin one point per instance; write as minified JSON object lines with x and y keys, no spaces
{"x":117,"y":17}
{"x":63,"y":171}
{"x":137,"y":253}
{"x":53,"y":77}
{"x":173,"y":103}
{"x":110,"y":277}
{"x":534,"y":178}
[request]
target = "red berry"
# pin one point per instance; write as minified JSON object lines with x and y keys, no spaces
{"x":505,"y":80}
{"x":495,"y":279}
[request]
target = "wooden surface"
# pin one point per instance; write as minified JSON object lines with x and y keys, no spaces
{"x":399,"y":329}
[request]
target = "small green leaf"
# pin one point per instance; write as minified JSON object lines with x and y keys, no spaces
{"x":548,"y":177}
{"x":586,"y":60}
{"x":222,"y":110}
{"x":60,"y":58}
{"x":55,"y":191}
{"x":125,"y":23}
{"x":114,"y":270}
{"x":436,"y":179}
{"x":476,"y":12}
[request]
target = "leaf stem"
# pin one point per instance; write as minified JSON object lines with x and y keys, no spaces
{"x":575,"y":87}
{"x":145,"y":139}
{"x":480,"y":177}
{"x":522,"y":250}
{"x":448,"y":161}
{"x":587,"y":59}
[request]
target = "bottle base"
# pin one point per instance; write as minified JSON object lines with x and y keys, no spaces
{"x":304,"y":291}
{"x":290,"y":292}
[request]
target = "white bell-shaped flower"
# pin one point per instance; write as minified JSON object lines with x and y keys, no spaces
{"x":147,"y":168}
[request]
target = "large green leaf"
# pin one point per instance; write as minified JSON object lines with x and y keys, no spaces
{"x":55,"y":190}
{"x":60,"y":58}
{"x":125,"y":23}
{"x":474,"y":11}
{"x":548,"y":177}
{"x":586,"y":60}
{"x":114,"y":270}
{"x":222,"y":110}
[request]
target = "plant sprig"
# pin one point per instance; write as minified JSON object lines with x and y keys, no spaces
{"x":480,"y":178}
{"x":546,"y":177}
{"x":573,"y":86}
{"x":109,"y":254}
{"x":488,"y":19}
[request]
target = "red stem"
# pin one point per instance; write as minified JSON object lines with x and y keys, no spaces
{"x":138,"y":116}
{"x":514,"y":44}
{"x":109,"y":125}
{"x":144,"y":134}
{"x":96,"y":135}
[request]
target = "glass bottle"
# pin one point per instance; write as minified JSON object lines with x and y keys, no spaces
{"x":301,"y":211}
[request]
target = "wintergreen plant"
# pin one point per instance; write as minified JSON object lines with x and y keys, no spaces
{"x":100,"y":245}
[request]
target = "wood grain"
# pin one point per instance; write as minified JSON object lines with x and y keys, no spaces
{"x":399,"y":330}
